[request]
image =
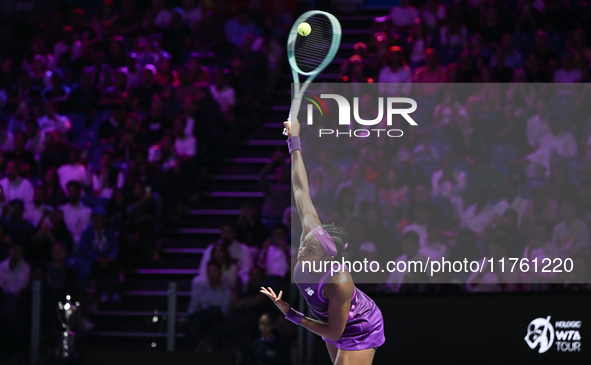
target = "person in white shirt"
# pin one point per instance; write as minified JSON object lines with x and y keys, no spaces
{"x":405,"y":268}
{"x":481,"y":213}
{"x":223,"y":93}
{"x":557,"y":143}
{"x":74,"y":170}
{"x":15,"y":187}
{"x":38,"y":212}
{"x":404,"y":14}
{"x":274,"y":256}
{"x":107,"y":179}
{"x":76,"y":214}
{"x":239,"y":251}
{"x":185,"y":145}
{"x":419,"y":225}
{"x":52,"y":121}
{"x":395,"y":78}
{"x":14,"y":274}
{"x":537,"y":126}
{"x":450,"y":183}
{"x":210,"y":304}
{"x":434,"y":248}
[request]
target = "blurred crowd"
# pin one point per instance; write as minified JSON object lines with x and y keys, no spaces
{"x":101,"y":109}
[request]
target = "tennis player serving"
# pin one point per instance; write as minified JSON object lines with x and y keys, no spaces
{"x":348,"y":320}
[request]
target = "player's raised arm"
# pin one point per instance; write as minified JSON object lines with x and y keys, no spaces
{"x":299,"y":180}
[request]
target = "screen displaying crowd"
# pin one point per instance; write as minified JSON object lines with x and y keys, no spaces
{"x":111,"y":118}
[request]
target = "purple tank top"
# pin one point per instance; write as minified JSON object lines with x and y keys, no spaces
{"x":311,"y":287}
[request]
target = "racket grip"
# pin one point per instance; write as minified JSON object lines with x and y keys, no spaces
{"x":294,"y":109}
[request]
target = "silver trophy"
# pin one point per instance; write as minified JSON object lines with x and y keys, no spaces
{"x":68,"y":314}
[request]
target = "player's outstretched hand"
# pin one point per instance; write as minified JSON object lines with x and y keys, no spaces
{"x":291,"y":128}
{"x":283,"y":307}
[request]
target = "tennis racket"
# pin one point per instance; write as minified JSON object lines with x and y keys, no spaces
{"x":309,"y":55}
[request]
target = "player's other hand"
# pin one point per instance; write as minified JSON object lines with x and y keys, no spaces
{"x":291,"y":128}
{"x":283,"y":307}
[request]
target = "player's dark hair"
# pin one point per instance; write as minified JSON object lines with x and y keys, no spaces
{"x":339,"y":236}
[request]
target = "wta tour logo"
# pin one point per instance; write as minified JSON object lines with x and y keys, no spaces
{"x":540,"y":332}
{"x":344,"y":109}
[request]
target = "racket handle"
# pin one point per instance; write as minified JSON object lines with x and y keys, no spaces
{"x":294,"y":109}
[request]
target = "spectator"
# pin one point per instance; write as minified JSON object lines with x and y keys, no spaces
{"x":395,"y":77}
{"x":453,"y":34}
{"x":274,"y":257}
{"x":85,"y":97}
{"x":481,"y":213}
{"x":209,"y":306}
{"x":76,"y":214}
{"x":424,"y":150}
{"x":568,"y":72}
{"x":492,"y":277}
{"x":485,"y":175}
{"x":362,"y":189}
{"x":74,"y":170}
{"x":24,"y":158}
{"x":53,"y":190}
{"x":540,"y":247}
{"x":238,"y":251}
{"x":411,"y":252}
{"x":142,"y":216}
{"x":404,"y":15}
{"x":156,"y":123}
{"x":192,"y":14}
{"x":6,"y":137}
{"x":239,"y":27}
{"x":222,"y":256}
{"x":34,"y":137}
{"x":393,"y":196}
{"x":419,"y":224}
{"x":61,"y":279}
{"x":449,"y":182}
{"x":185,"y":145}
{"x":278,"y":193}
{"x":58,"y":93}
{"x":223,"y":93}
{"x":52,"y":121}
{"x":556,"y":144}
{"x":39,"y":210}
{"x":68,"y":49}
{"x":161,"y":14}
{"x":435,"y":248}
{"x":14,"y":274}
{"x":513,"y":59}
{"x":148,"y":87}
{"x":431,"y":73}
{"x":269,"y":349}
{"x":571,"y":236}
{"x":251,"y":229}
{"x":107,"y":178}
{"x":16,"y":226}
{"x":99,"y":243}
{"x":418,"y":42}
{"x":15,"y":187}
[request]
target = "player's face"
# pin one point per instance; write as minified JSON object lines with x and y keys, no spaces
{"x":311,"y":250}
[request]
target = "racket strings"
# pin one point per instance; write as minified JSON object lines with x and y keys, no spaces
{"x":311,"y":50}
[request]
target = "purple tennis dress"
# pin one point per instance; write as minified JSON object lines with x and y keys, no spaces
{"x":365,"y":326}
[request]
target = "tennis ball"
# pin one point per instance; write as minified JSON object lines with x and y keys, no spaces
{"x":304,"y":29}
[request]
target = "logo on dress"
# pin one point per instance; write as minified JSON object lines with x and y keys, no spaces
{"x":309,"y":291}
